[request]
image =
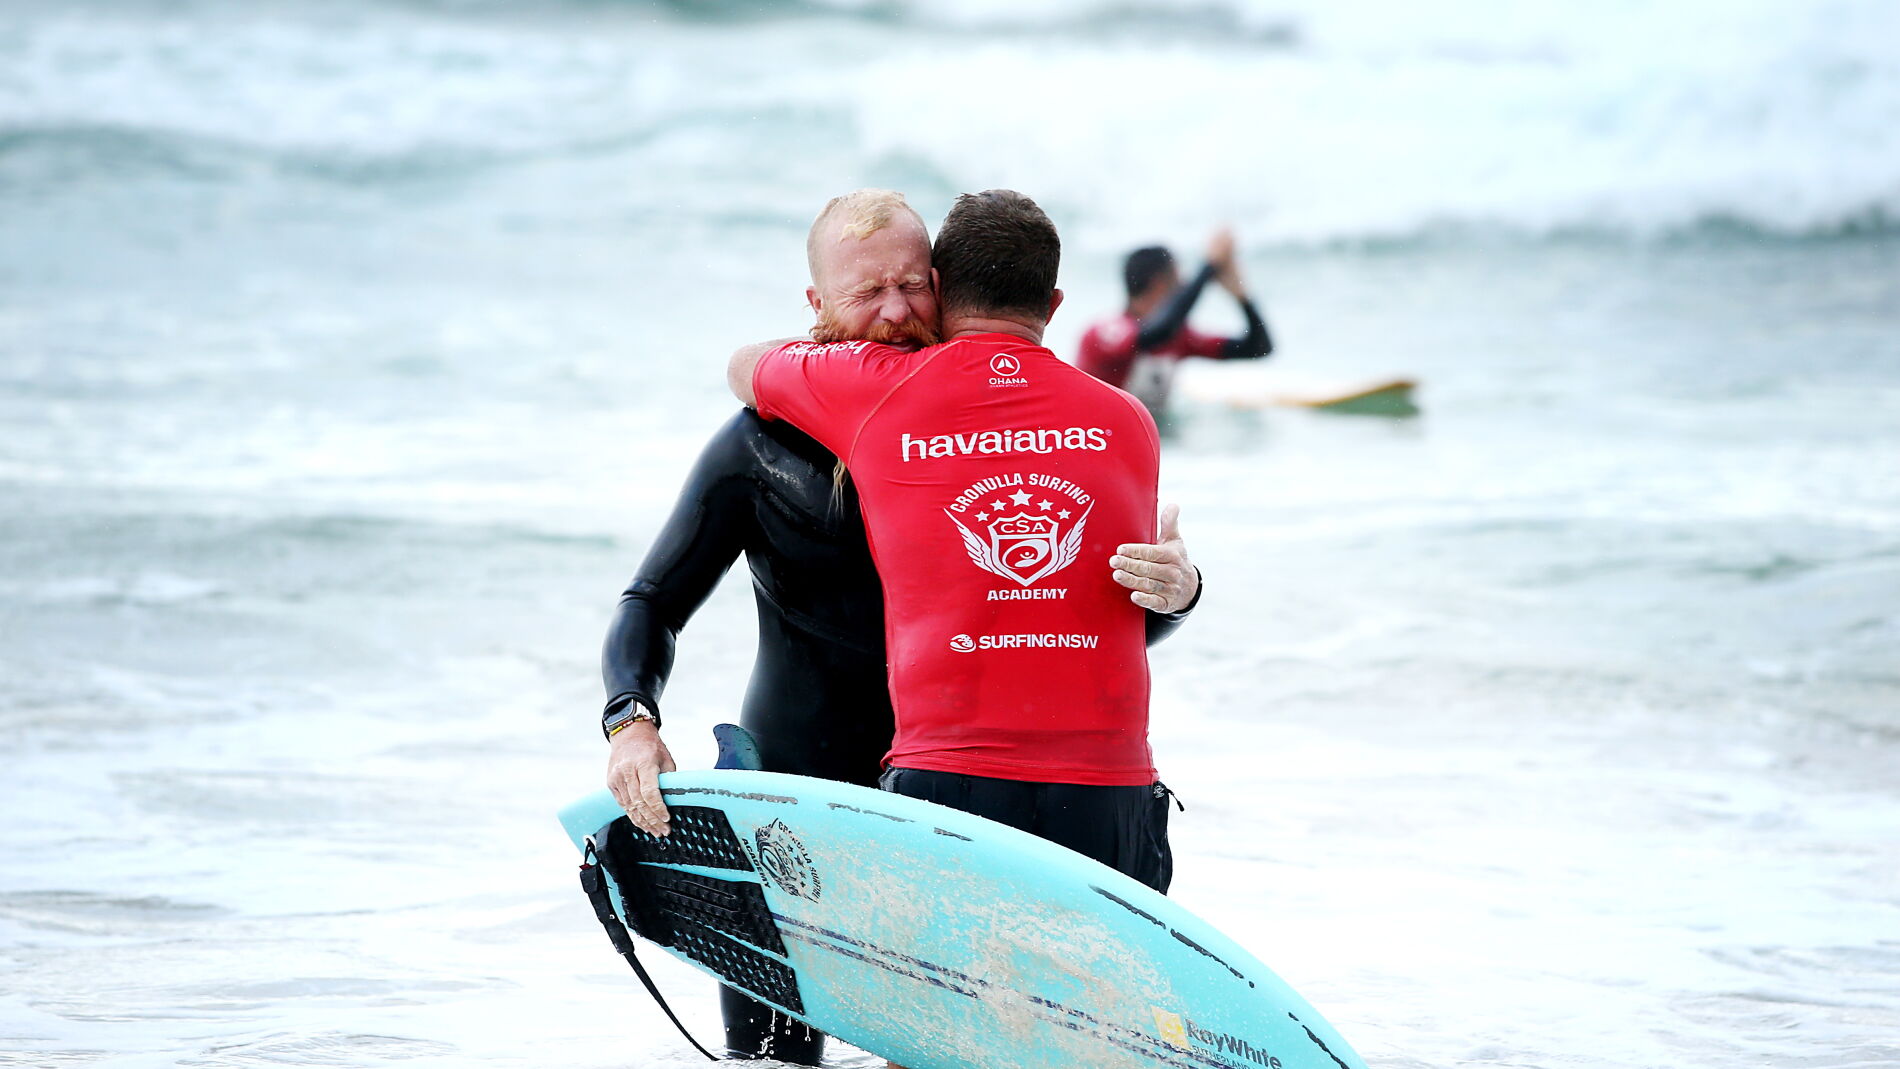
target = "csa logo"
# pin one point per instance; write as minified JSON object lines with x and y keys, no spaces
{"x":785,"y":862}
{"x":1025,"y":536}
{"x":963,"y":644}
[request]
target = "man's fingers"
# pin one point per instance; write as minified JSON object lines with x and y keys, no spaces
{"x":1220,"y":246}
{"x":1159,"y":554}
{"x":1170,"y":523}
{"x":633,"y":775}
{"x":627,"y":793}
{"x":1169,"y":569}
{"x":1141,"y":583}
{"x":644,"y":817}
{"x":639,"y":795}
{"x":654,"y":807}
{"x":1154,"y":602}
{"x":648,"y":809}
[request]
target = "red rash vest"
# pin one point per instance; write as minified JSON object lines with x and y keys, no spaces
{"x":1108,"y":348}
{"x":996,"y":480}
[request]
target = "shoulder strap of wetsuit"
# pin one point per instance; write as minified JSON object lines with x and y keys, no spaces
{"x":594,"y":882}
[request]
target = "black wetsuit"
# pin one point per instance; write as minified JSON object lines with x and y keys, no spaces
{"x":818,"y":702}
{"x":1168,"y":320}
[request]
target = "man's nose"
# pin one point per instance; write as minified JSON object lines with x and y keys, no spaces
{"x":891,"y":306}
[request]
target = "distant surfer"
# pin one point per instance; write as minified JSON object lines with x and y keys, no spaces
{"x":993,"y":477}
{"x":818,"y":702}
{"x":1139,"y":349}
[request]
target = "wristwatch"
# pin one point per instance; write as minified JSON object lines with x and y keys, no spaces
{"x":631,"y":713}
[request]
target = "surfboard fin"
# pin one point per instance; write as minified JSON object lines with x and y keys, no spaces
{"x":737,"y":748}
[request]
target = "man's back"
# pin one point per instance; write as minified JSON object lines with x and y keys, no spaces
{"x":988,"y":468}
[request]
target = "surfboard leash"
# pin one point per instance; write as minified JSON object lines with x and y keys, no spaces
{"x":594,"y":882}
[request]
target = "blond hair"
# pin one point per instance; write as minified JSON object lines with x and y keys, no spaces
{"x":864,"y":211}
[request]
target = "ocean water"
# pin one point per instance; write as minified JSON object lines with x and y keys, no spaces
{"x":350,"y":354}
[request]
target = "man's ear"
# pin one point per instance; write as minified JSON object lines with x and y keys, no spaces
{"x":1055,"y":302}
{"x":936,"y":285}
{"x":811,"y":298}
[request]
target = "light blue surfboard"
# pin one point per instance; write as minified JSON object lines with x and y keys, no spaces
{"x":941,"y":940}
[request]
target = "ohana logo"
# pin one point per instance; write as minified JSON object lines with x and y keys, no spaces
{"x":1006,"y":370}
{"x":963,"y":644}
{"x":1029,"y":534}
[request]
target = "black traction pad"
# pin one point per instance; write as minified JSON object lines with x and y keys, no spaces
{"x":740,"y":965}
{"x":701,"y":836}
{"x":706,"y":918}
{"x":733,"y":909}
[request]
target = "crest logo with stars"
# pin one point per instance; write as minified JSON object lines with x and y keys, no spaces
{"x":1026,"y":536}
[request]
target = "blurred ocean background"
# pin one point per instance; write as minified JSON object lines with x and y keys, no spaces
{"x":351,"y":353}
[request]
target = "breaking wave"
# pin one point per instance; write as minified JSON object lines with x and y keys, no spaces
{"x":1301,"y":121}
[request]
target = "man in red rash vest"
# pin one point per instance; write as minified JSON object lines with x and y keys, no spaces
{"x":987,"y":468}
{"x":1140,"y":349}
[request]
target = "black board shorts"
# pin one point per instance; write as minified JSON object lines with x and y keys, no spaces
{"x":1125,"y":828}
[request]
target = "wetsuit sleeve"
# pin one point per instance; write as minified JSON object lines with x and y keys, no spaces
{"x":703,"y":536}
{"x":1168,"y":320}
{"x":828,"y":391}
{"x":1252,"y":345}
{"x":1191,"y":342}
{"x":1163,"y":624}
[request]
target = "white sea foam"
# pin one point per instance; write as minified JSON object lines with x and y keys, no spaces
{"x":1351,"y":120}
{"x":1385,"y":119}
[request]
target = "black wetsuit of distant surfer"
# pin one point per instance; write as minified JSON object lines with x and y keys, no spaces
{"x":818,"y":703}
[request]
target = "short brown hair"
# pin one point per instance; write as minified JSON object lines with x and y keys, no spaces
{"x":996,"y":252}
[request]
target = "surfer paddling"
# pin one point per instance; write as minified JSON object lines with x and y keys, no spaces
{"x":1139,"y":349}
{"x":817,"y":704}
{"x":1033,"y":713}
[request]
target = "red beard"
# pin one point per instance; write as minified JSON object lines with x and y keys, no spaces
{"x":912,"y":333}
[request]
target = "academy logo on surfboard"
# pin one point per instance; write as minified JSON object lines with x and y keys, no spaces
{"x":1022,"y":535}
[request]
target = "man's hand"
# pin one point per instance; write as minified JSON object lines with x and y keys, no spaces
{"x":633,"y":774}
{"x":1226,"y":265}
{"x":1220,"y":249}
{"x":1161,"y":576}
